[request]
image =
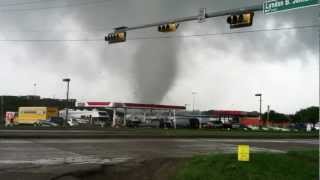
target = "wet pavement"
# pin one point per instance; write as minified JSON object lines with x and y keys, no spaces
{"x":56,"y":156}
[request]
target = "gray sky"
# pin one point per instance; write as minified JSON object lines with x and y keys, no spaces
{"x":225,"y":70}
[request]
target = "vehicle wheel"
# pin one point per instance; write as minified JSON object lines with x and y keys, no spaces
{"x":35,"y":124}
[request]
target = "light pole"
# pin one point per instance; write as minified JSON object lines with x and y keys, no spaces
{"x":260,"y":99}
{"x":268,"y":115}
{"x":193,"y":100}
{"x":67,"y":80}
{"x":186,"y":105}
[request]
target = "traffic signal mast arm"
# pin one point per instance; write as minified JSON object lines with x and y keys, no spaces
{"x":194,"y":18}
{"x":241,"y":17}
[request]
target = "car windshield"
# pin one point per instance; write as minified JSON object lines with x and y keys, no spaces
{"x":103,"y":114}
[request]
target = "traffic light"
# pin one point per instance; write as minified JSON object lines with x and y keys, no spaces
{"x":241,"y":20}
{"x":116,"y":37}
{"x":171,"y":27}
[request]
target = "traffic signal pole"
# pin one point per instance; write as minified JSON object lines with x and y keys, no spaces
{"x":194,"y":18}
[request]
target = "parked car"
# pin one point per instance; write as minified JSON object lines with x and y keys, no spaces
{"x":80,"y":120}
{"x":51,"y":122}
{"x":244,"y":127}
{"x":133,"y":124}
{"x":227,"y":126}
{"x":317,"y":126}
{"x":56,"y":120}
{"x":215,"y":124}
{"x":47,"y":123}
{"x":236,"y":125}
{"x":299,"y":126}
{"x":72,"y":122}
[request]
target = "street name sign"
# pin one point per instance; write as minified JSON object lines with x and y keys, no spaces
{"x":272,"y":6}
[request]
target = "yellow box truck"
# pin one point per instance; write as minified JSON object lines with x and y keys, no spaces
{"x":32,"y":115}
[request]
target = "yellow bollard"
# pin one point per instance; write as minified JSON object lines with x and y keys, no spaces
{"x":243,"y":153}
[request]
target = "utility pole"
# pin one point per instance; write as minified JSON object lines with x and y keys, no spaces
{"x":174,"y":119}
{"x":125,"y":117}
{"x":67,"y":80}
{"x":260,"y":113}
{"x":193,"y":100}
{"x":2,"y":109}
{"x":260,"y":100}
{"x":186,"y":105}
{"x":268,"y":115}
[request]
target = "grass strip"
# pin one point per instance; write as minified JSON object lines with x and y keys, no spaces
{"x":294,"y":165}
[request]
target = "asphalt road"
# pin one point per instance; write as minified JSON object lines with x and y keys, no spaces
{"x":54,"y":133}
{"x":37,"y":157}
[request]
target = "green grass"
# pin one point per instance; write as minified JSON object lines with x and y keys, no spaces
{"x":295,"y":165}
{"x":240,"y":133}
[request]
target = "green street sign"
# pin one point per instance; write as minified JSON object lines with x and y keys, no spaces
{"x":272,"y":6}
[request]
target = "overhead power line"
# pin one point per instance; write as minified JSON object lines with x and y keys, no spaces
{"x":90,"y":30}
{"x":168,"y":37}
{"x":26,"y":3}
{"x":55,"y":7}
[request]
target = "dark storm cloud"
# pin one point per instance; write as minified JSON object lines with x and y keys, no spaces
{"x":271,"y":46}
{"x":152,"y":65}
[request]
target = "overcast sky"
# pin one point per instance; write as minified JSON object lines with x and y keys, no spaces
{"x":225,"y":70}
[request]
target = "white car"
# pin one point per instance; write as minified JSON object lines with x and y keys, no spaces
{"x":72,"y":122}
{"x":317,"y":126}
{"x":81,"y":120}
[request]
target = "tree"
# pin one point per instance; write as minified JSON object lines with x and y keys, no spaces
{"x":12,"y":103}
{"x":308,"y":115}
{"x":275,"y":116}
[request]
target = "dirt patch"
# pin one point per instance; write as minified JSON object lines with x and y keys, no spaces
{"x":155,"y":169}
